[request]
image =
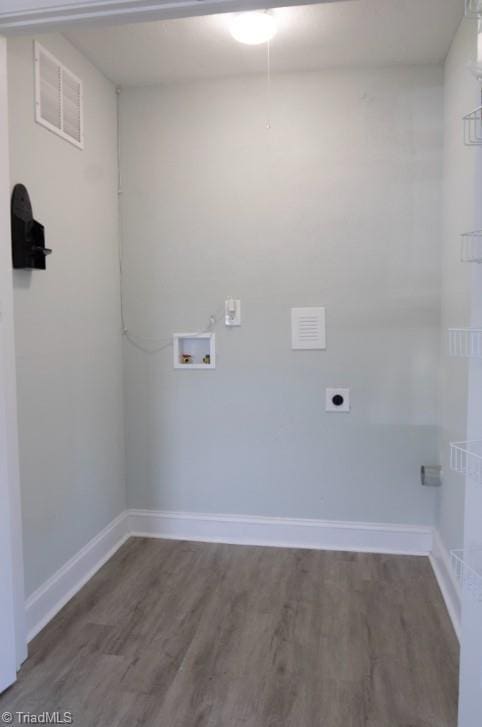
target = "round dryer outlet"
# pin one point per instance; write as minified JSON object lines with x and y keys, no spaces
{"x":338,"y":400}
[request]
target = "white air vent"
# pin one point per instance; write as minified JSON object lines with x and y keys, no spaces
{"x":58,"y":97}
{"x":308,"y":328}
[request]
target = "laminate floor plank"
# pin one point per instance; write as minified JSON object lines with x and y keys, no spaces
{"x":179,"y":634}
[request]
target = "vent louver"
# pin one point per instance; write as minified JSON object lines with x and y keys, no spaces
{"x":58,"y":102}
{"x":308,"y":328}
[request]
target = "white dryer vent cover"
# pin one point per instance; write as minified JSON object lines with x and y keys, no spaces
{"x":308,"y":328}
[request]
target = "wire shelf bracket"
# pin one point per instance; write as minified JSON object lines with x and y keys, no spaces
{"x":473,"y":8}
{"x":465,"y":342}
{"x":466,"y":459}
{"x":473,"y":127}
{"x":471,"y":247}
{"x":467,"y":567}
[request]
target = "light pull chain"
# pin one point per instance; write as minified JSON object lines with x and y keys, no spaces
{"x":479,"y":41}
{"x":268,"y":85}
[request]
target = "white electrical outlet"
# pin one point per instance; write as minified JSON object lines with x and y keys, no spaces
{"x":338,"y":399}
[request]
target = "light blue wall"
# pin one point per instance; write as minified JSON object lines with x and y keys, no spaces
{"x":460,"y":507}
{"x":471,"y":657}
{"x":67,"y":321}
{"x":337,"y":205}
{"x":462,"y":93}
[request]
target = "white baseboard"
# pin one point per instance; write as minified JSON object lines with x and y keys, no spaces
{"x":440,"y":560}
{"x":282,"y":532}
{"x":47,"y":600}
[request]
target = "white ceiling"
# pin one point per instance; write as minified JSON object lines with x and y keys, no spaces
{"x":340,"y":34}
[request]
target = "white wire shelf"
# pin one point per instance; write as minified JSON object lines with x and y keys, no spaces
{"x":473,"y":128}
{"x":466,"y":459}
{"x":467,"y":567}
{"x":473,"y":8}
{"x":465,"y":342}
{"x":471,"y":247}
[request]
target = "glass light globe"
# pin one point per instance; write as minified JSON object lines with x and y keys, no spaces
{"x":253,"y":28}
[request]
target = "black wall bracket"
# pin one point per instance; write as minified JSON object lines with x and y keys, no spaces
{"x":28,"y":236}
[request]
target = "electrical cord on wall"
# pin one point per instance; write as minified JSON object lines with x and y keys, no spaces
{"x":146,"y":345}
{"x":160,"y":345}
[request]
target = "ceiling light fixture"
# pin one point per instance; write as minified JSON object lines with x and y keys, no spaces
{"x":253,"y":28}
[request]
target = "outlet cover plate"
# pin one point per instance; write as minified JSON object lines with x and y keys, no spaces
{"x":236,"y":319}
{"x":338,"y":399}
